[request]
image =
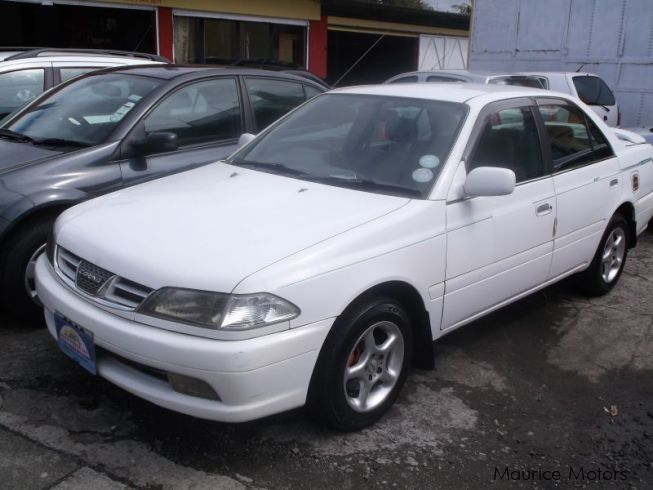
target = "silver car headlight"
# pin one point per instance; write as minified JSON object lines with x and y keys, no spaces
{"x":218,"y":311}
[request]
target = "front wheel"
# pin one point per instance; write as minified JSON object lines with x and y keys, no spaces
{"x":608,"y":263}
{"x":17,"y":288}
{"x":362,"y":365}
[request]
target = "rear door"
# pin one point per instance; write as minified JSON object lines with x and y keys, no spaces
{"x":207,"y":117}
{"x":585,"y":175}
{"x":595,"y":93}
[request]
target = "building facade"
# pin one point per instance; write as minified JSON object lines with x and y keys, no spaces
{"x":352,"y":41}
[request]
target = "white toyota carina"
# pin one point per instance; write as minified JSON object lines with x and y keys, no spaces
{"x":327,"y":254}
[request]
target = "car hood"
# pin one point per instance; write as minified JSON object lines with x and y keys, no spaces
{"x":15,"y":153}
{"x":212,"y":227}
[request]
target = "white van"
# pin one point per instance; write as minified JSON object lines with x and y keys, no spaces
{"x":588,"y":87}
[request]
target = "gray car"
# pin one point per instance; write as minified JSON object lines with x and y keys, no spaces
{"x":114,"y":128}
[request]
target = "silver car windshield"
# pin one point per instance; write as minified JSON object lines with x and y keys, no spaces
{"x":85,"y":112}
{"x":390,"y":145}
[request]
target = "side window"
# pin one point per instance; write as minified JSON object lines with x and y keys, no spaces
{"x":593,"y":90}
{"x":311,"y":91}
{"x":19,"y":87}
{"x":409,"y":79}
{"x":441,"y":79}
{"x":199,"y":113}
{"x":271,"y":99}
{"x":571,"y":145}
{"x":67,"y":73}
{"x":510,"y":139}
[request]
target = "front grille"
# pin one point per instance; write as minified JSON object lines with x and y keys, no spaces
{"x":90,"y":278}
{"x":100,"y":283}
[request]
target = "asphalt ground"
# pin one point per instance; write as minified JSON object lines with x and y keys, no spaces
{"x":554,"y":383}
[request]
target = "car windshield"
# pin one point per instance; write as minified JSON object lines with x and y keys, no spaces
{"x":85,"y":112}
{"x":381,"y":144}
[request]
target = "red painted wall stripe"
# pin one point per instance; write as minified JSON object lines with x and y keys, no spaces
{"x":165,"y":33}
{"x":317,"y":47}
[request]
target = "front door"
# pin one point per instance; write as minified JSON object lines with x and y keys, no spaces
{"x":500,"y":247}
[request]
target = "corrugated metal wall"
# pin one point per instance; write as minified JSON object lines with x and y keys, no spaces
{"x":613,"y":38}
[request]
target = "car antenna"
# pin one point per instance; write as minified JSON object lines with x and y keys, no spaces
{"x":138,"y":45}
{"x":580,"y":67}
{"x":358,"y":60}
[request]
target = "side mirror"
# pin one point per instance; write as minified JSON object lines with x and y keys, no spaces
{"x":490,"y":181}
{"x":245,"y":138}
{"x":157,"y":142}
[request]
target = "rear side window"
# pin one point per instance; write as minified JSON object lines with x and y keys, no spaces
{"x":442,"y":79}
{"x":410,"y":79}
{"x":510,"y":140}
{"x":67,"y":73}
{"x":572,"y":144}
{"x":271,"y":99}
{"x":530,"y":82}
{"x":311,"y":91}
{"x":19,"y":87}
{"x":199,"y":113}
{"x":593,"y":91}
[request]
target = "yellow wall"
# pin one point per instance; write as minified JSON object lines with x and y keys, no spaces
{"x":289,"y":9}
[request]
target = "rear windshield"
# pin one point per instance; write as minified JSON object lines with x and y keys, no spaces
{"x":593,"y":90}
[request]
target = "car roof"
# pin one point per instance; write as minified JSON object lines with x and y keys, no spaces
{"x":189,"y":72}
{"x":452,"y":92}
{"x":557,"y":73}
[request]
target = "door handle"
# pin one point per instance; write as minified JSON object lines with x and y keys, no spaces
{"x":614,"y":182}
{"x":543,"y":209}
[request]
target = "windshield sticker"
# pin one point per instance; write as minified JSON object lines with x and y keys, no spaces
{"x":135,"y":97}
{"x":429,"y":161}
{"x":422,"y":175}
{"x":122,"y":110}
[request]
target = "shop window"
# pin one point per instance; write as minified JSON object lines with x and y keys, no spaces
{"x":219,"y":41}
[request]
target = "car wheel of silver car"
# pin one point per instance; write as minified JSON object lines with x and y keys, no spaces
{"x":362,"y":365}
{"x":17,"y":263}
{"x":609,"y":260}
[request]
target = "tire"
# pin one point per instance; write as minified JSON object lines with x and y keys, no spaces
{"x":344,"y":405}
{"x":17,"y":253}
{"x":608,"y":263}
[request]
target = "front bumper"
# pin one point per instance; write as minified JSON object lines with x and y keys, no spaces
{"x":253,"y":378}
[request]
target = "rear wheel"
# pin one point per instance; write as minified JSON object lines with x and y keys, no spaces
{"x":608,"y":263}
{"x":17,"y":264}
{"x":362,"y":365}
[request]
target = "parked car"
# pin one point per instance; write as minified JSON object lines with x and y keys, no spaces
{"x":25,"y":73}
{"x":588,"y":87}
{"x":315,"y":263}
{"x":276,"y":65}
{"x":466,"y":76}
{"x":114,"y":128}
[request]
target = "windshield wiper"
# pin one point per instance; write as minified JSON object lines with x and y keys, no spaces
{"x":59,"y":142}
{"x":8,"y":133}
{"x":367,"y":184}
{"x":273,"y":166}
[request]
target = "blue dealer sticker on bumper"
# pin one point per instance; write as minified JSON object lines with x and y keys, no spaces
{"x":76,"y":343}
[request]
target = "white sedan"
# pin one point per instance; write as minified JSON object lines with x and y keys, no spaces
{"x":327,"y":254}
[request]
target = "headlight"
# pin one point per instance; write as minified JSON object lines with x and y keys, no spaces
{"x":218,"y":311}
